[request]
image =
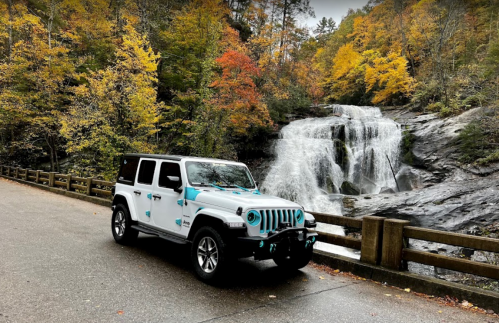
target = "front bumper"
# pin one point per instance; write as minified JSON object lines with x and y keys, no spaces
{"x":285,"y":241}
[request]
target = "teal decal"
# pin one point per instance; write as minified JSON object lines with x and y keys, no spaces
{"x":199,"y":209}
{"x":148,"y":213}
{"x":262,"y":228}
{"x":261,"y":244}
{"x":299,"y":216}
{"x":257,"y":192}
{"x":178,"y":221}
{"x":191,"y":193}
{"x":234,"y":192}
{"x":254,"y":218}
{"x":149,"y":196}
{"x":180,"y":202}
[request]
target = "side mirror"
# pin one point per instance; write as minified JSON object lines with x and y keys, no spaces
{"x":178,"y":189}
{"x":173,"y":178}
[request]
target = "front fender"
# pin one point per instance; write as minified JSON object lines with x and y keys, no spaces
{"x":130,"y":203}
{"x":224,"y":216}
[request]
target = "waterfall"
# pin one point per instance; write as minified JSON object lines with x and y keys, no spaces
{"x":315,"y":157}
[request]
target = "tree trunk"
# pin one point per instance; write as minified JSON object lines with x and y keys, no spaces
{"x":284,"y":16}
{"x":11,"y":13}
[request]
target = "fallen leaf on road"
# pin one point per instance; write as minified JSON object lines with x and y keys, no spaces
{"x":388,"y":295}
{"x":407,"y":290}
{"x":320,"y":277}
{"x":272,"y":296}
{"x":440,"y":312}
{"x":305,"y":280}
{"x":121,"y":312}
{"x":336,"y":271}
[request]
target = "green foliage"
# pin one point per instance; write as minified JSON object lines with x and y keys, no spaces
{"x":473,"y":143}
{"x":407,"y":146}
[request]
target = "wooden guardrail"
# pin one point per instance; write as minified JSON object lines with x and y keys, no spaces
{"x":385,"y":242}
{"x":89,"y":186}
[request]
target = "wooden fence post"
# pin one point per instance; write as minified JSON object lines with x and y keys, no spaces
{"x":26,"y":175}
{"x":37,"y":179}
{"x":68,"y":180}
{"x":52,"y":179}
{"x":89,"y":186}
{"x":372,"y":234}
{"x":8,"y":171}
{"x":1,"y":169}
{"x":393,"y":243}
{"x":16,"y":174}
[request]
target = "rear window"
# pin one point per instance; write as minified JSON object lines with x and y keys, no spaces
{"x":146,"y":172}
{"x":128,"y":170}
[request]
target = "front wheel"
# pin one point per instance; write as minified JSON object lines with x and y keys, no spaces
{"x":121,"y":223}
{"x":295,"y":260}
{"x":208,"y":254}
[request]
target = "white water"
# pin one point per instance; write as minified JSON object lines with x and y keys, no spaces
{"x":309,"y":165}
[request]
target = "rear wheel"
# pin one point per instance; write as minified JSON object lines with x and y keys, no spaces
{"x":208,"y":254}
{"x":294,"y":260}
{"x":121,"y":223}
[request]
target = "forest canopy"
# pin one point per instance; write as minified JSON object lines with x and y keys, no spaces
{"x":88,"y":80}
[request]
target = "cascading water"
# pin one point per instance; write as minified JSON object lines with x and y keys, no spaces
{"x":321,"y":156}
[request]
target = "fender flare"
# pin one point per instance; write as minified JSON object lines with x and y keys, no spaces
{"x":130,"y":204}
{"x":224,"y":216}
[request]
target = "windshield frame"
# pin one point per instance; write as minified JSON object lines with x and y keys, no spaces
{"x":232,"y":186}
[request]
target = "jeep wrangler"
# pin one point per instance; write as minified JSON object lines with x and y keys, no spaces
{"x":213,"y":205}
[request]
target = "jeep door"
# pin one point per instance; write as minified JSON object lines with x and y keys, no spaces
{"x":143,"y":189}
{"x":167,"y":212}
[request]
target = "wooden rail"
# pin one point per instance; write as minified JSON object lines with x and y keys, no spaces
{"x":88,"y":186}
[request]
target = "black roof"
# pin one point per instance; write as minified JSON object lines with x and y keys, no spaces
{"x":168,"y":157}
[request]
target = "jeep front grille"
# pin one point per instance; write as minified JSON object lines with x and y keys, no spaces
{"x":272,"y":218}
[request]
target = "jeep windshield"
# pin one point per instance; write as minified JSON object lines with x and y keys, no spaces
{"x":219,"y":174}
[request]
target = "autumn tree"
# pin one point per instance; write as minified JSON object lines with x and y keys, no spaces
{"x":115,"y":111}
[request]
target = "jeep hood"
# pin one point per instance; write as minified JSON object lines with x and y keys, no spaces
{"x":247,"y":200}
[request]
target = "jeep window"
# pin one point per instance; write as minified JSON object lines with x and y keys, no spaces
{"x":169,"y":169}
{"x":128,"y":170}
{"x":220,"y":174}
{"x":146,"y":172}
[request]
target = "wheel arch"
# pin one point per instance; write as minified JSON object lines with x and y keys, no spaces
{"x":127,"y":200}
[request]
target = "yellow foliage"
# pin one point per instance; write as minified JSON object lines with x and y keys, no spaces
{"x":388,"y":74}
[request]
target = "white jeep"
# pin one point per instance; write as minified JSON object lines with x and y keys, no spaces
{"x":214,"y":205}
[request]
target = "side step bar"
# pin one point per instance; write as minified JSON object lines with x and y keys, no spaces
{"x":160,"y":234}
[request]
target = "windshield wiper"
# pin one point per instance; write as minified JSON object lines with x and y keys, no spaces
{"x":215,"y":186}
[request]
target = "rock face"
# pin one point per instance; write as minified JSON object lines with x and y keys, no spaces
{"x":450,"y":206}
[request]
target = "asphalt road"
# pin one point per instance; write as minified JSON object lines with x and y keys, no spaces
{"x":59,"y":263}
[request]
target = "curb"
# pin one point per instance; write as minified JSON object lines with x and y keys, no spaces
{"x":75,"y":195}
{"x":417,"y":283}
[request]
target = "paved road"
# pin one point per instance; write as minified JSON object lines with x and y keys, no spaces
{"x":59,"y":263}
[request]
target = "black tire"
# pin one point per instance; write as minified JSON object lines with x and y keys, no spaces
{"x":294,"y":261}
{"x":209,"y":265}
{"x":121,"y":223}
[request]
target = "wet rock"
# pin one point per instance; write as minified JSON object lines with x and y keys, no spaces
{"x":408,"y":179}
{"x":449,"y":206}
{"x":387,"y":190}
{"x":349,"y":188}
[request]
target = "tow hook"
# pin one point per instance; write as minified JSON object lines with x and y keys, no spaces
{"x":272,"y":247}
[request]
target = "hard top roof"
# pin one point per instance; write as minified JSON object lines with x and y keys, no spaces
{"x":174,"y":157}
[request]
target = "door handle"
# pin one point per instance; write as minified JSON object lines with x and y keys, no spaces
{"x":156,"y":196}
{"x":137,"y":192}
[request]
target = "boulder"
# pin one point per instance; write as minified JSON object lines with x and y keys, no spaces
{"x":348,"y":188}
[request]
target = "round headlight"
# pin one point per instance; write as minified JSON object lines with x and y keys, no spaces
{"x":299,"y":216}
{"x":254,"y":218}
